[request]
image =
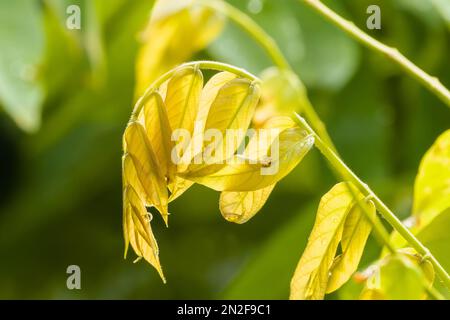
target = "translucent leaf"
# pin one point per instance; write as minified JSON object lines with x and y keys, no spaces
{"x":432,"y":185}
{"x":164,"y":41}
{"x":244,"y":175}
{"x":22,"y":51}
{"x":209,"y":93}
{"x":239,"y":207}
{"x":159,"y":133}
{"x":232,"y":109}
{"x":354,"y":236}
{"x":282,"y":93}
{"x":130,"y":178}
{"x":137,"y":230}
{"x":148,"y":171}
{"x":182,"y":98}
{"x":312,"y":273}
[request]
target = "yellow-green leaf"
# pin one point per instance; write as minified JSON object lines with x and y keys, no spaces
{"x":137,"y":230}
{"x":130,"y":178}
{"x":312,"y":273}
{"x":146,"y":165}
{"x":209,"y":93}
{"x":239,"y":207}
{"x":431,"y":189}
{"x":183,"y":97}
{"x":354,"y":236}
{"x":432,"y":185}
{"x":397,"y":278}
{"x":243,"y":175}
{"x":159,"y":133}
{"x":232,"y":109}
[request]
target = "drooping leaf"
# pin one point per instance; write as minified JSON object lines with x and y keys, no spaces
{"x":354,"y":237}
{"x":137,"y":230}
{"x":243,"y":175}
{"x":130,"y":178}
{"x":231,"y":111}
{"x":209,"y":93}
{"x":164,"y":41}
{"x":148,"y":171}
{"x":22,"y":51}
{"x":313,"y":270}
{"x":183,"y":97}
{"x":159,"y":133}
{"x":239,"y":207}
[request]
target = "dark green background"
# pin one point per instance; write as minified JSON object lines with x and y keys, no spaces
{"x":60,"y":186}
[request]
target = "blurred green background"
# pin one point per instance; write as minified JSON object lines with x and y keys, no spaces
{"x":71,"y":93}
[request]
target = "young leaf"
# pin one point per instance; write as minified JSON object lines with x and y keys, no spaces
{"x":159,"y":133}
{"x":137,"y":230}
{"x":130,"y":178}
{"x":246,"y":176}
{"x":311,"y":275}
{"x":148,"y":171}
{"x":232,"y":109}
{"x":431,"y":189}
{"x":432,"y":185}
{"x":182,"y":98}
{"x":239,"y":207}
{"x":354,"y":236}
{"x":208,"y":95}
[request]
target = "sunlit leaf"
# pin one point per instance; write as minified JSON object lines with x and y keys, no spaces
{"x":137,"y":230}
{"x":432,"y":185}
{"x":431,"y":190}
{"x":164,"y":41}
{"x":239,"y":207}
{"x":182,"y":98}
{"x":209,"y":93}
{"x":149,"y":174}
{"x":159,"y":133}
{"x":354,"y":236}
{"x":242,"y":175}
{"x":232,"y":109}
{"x":313,"y":270}
{"x":130,"y":178}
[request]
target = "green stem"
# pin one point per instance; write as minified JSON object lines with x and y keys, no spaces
{"x":272,"y":50}
{"x":246,"y":23}
{"x":431,"y":83}
{"x":348,"y":175}
{"x":211,"y":65}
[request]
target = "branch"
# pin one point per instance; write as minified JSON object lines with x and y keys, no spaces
{"x":431,"y":83}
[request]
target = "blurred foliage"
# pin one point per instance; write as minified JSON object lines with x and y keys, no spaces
{"x":60,"y":199}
